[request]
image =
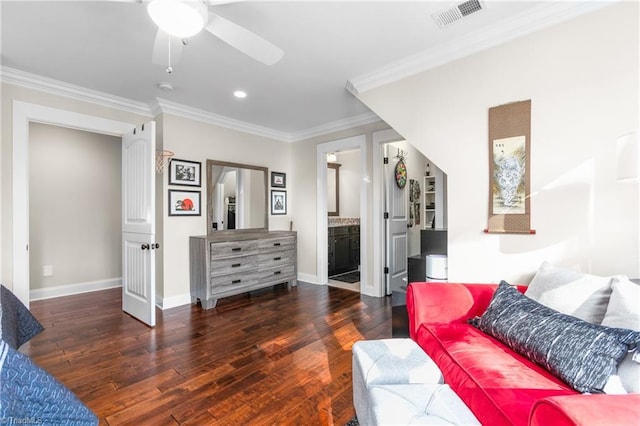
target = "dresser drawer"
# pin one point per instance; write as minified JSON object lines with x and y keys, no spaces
{"x":233,"y":265}
{"x":276,"y":258}
{"x":276,"y":244}
{"x":233,"y":248}
{"x":277,"y":274}
{"x":234,"y":280}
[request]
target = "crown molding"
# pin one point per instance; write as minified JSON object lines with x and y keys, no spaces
{"x":336,"y":126}
{"x":78,"y":93}
{"x":530,"y":21}
{"x":158,"y":106}
{"x":168,"y":107}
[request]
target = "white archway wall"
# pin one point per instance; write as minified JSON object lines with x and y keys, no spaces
{"x":583,"y":217}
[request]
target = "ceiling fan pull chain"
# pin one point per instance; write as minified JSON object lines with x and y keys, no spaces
{"x":169,"y":68}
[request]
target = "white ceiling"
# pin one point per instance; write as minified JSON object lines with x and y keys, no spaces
{"x":106,"y":46}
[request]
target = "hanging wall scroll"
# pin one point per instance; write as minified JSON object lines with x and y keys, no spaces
{"x":509,"y":169}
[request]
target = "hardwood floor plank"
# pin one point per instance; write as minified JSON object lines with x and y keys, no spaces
{"x":272,"y":357}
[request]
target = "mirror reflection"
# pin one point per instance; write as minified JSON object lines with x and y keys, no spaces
{"x":236,"y":196}
{"x":333,"y":193}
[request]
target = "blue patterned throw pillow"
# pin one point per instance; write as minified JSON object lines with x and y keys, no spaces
{"x":28,"y":394}
{"x":17,"y":325}
{"x":580,"y":353}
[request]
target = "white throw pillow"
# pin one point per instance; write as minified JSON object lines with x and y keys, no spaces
{"x":624,"y":312}
{"x":574,"y":293}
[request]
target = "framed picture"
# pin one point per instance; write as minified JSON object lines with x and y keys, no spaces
{"x":278,"y":180}
{"x":183,"y":172}
{"x":278,"y":202}
{"x":184,"y":203}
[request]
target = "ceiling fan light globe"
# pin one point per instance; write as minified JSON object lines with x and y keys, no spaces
{"x":179,"y":18}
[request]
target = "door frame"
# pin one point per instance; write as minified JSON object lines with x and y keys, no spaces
{"x":322,"y":257}
{"x":23,"y":114}
{"x":380,"y":138}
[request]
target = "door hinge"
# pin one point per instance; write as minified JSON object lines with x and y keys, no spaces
{"x":386,"y":270}
{"x":385,"y":160}
{"x":386,"y":215}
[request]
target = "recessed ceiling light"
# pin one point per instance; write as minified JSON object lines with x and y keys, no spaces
{"x":240,"y":94}
{"x":165,"y":86}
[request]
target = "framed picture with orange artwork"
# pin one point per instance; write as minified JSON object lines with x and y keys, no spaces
{"x":184,"y":203}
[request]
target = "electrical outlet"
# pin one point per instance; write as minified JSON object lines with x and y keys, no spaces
{"x":47,"y":271}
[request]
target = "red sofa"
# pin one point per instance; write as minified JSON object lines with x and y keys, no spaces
{"x":498,"y":385}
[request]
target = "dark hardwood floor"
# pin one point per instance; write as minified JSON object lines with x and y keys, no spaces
{"x":274,"y":357}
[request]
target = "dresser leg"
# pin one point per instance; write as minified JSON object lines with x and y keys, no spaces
{"x":209,"y":303}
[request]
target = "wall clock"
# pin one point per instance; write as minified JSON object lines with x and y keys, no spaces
{"x":401,"y":174}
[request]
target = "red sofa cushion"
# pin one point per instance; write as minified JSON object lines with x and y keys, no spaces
{"x":498,"y":385}
{"x":605,"y":410}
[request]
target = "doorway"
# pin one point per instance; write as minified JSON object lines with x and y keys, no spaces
{"x":23,"y":114}
{"x":356,"y":145}
{"x":343,"y":186}
{"x":75,"y":196}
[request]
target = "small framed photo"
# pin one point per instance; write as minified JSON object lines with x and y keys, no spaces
{"x":278,"y":180}
{"x":183,"y":172}
{"x":278,"y":202}
{"x":184,"y":203}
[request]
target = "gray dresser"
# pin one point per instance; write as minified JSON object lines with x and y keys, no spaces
{"x":227,"y":263}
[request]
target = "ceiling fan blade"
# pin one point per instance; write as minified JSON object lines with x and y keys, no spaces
{"x":244,"y":40}
{"x":167,"y":50}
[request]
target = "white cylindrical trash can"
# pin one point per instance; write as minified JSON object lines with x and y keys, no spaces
{"x":436,"y":267}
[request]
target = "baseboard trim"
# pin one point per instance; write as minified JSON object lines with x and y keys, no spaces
{"x":308,"y":278}
{"x":71,"y":289}
{"x":173,"y":301}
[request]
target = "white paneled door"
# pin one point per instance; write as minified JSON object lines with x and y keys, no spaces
{"x":397,"y":209}
{"x":138,"y":223}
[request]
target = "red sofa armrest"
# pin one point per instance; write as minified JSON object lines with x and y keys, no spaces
{"x":591,"y":410}
{"x":438,"y":302}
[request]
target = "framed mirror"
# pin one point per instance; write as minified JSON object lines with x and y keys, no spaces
{"x":236,"y":196}
{"x":333,"y":189}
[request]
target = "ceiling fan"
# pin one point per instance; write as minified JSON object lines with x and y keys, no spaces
{"x":177,"y":20}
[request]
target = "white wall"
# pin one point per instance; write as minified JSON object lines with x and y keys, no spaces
{"x":583,"y":79}
{"x":75,"y":206}
{"x":197,"y":141}
{"x":349,"y":183}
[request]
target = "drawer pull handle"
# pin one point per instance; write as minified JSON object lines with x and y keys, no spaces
{"x":236,"y":281}
{"x":277,"y":258}
{"x":236,"y":249}
{"x":236,"y":265}
{"x":276,"y":244}
{"x":277,"y":272}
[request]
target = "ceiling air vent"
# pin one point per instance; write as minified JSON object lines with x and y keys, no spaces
{"x":453,"y":14}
